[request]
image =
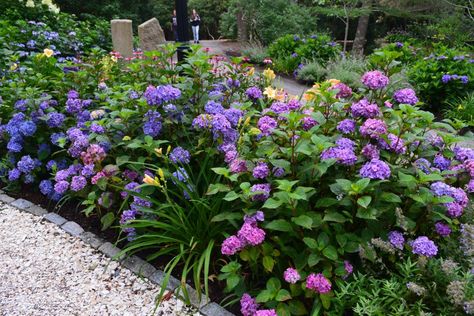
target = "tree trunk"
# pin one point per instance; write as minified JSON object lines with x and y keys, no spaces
{"x":361,"y":33}
{"x":242,"y":30}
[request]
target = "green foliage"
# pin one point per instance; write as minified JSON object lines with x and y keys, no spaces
{"x":255,"y":52}
{"x":461,"y":108}
{"x":289,"y":51}
{"x":311,"y":73}
{"x":426,"y":75}
{"x":267,"y":20}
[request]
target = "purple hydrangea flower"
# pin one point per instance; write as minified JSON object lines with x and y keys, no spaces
{"x":266,"y":312}
{"x":26,"y":164}
{"x":442,"y":229}
{"x":279,"y":107}
{"x":375,"y":80}
{"x":254,"y":93}
{"x":46,"y":187}
{"x":445,"y":78}
{"x":266,"y":124}
{"x":375,"y":169}
{"x":14,"y":174}
{"x":213,"y":107}
{"x":233,"y":115}
{"x":344,"y":156}
{"x":346,"y":126}
{"x":291,"y":275}
{"x":231,"y":246}
{"x":395,"y":144}
{"x":278,"y":172}
{"x":248,"y":305}
{"x":261,"y":171}
{"x":424,"y":247}
{"x":441,"y":162}
{"x":318,"y":283}
{"x":344,"y":91}
{"x":98,"y":129}
{"x":61,"y":187}
{"x":396,"y":239}
{"x":203,"y":121}
{"x":250,"y":234}
{"x":55,"y":119}
{"x":57,"y":137}
{"x":370,"y":152}
{"x":238,"y":166}
{"x":27,"y":128}
{"x":263,"y":190}
{"x":406,"y":96}
{"x":180,"y":155}
{"x":373,"y":128}
{"x":78,"y":183}
{"x":365,"y":109}
{"x":152,"y":125}
{"x":424,"y":165}
{"x":348,"y":267}
{"x":161,"y":94}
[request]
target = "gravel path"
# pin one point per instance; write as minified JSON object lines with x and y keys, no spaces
{"x":45,"y":271}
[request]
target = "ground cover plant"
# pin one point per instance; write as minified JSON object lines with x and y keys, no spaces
{"x":350,"y":200}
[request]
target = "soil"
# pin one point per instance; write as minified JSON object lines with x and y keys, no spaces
{"x":72,"y":210}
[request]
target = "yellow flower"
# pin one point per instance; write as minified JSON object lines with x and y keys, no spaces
{"x":114,"y":59}
{"x":269,"y":74}
{"x":14,"y":67}
{"x":161,"y":174}
{"x":48,"y":52}
{"x":159,"y":151}
{"x":149,"y":180}
{"x":168,"y":150}
{"x":333,"y":82}
{"x":270,"y":92}
{"x":126,"y":138}
{"x":251,"y":71}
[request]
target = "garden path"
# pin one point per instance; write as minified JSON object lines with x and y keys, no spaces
{"x":45,"y":271}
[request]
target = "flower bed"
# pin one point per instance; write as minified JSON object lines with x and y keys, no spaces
{"x":296,"y":206}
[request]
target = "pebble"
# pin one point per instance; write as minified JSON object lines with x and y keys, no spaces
{"x":45,"y":271}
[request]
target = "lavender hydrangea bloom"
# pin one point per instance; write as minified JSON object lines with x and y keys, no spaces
{"x":248,"y":305}
{"x":373,"y":128}
{"x":231,"y":246}
{"x":161,"y":94}
{"x":346,"y":126}
{"x":441,"y":162}
{"x":278,"y":172}
{"x":365,"y":109}
{"x":344,"y":91}
{"x":423,"y":164}
{"x":233,"y":115}
{"x":61,"y":187}
{"x":26,"y":164}
{"x":463,"y":153}
{"x":396,"y":239}
{"x":28,"y":128}
{"x":74,"y":106}
{"x":180,"y":155}
{"x":375,"y":169}
{"x":46,"y":187}
{"x":370,"y":152}
{"x":238,"y":166}
{"x":395,"y":144}
{"x":203,"y":121}
{"x":96,"y":128}
{"x":291,"y":275}
{"x":266,"y":312}
{"x":279,"y":107}
{"x":344,"y":156}
{"x":78,"y":183}
{"x":266,"y":124}
{"x":213,"y":107}
{"x":263,"y":190}
{"x":152,"y":125}
{"x":14,"y":174}
{"x":375,"y":80}
{"x":250,"y":234}
{"x":318,"y":283}
{"x":442,"y":229}
{"x":254,"y":93}
{"x":57,"y":137}
{"x":55,"y":119}
{"x":406,"y":96}
{"x":424,"y":247}
{"x":261,"y":171}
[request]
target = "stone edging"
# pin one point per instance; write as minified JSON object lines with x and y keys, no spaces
{"x":135,"y":264}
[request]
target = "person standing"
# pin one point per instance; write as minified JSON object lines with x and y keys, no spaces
{"x":195,"y":22}
{"x":174,"y":26}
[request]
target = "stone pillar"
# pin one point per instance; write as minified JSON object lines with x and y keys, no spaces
{"x":151,"y":35}
{"x":122,"y":37}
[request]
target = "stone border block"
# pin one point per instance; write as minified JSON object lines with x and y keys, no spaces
{"x":91,"y":239}
{"x":72,"y":228}
{"x":21,"y":204}
{"x":6,"y":199}
{"x":36,"y":210}
{"x":193,"y":297}
{"x":111,"y":251}
{"x":55,"y":218}
{"x":159,"y":276}
{"x":139,"y":266}
{"x":214,"y":309}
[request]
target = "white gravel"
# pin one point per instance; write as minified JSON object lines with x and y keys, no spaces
{"x":45,"y":271}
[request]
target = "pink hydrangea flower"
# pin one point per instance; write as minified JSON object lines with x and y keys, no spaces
{"x":318,"y":283}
